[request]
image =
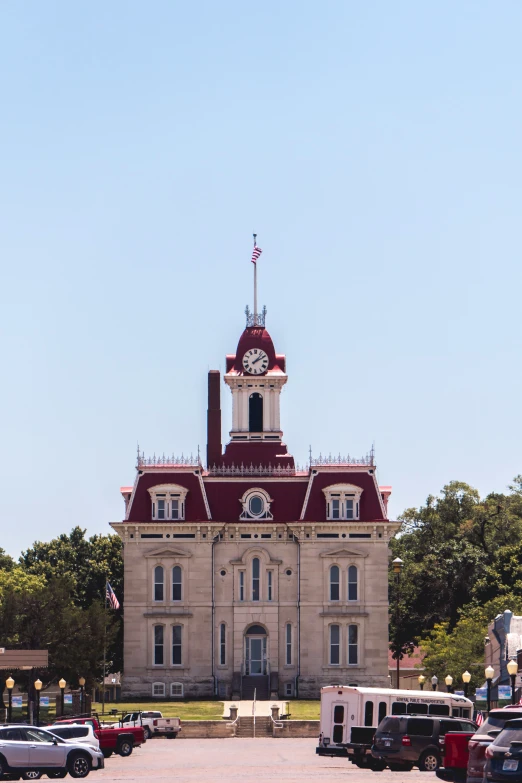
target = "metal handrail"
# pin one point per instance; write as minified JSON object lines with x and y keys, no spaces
{"x":278,"y":724}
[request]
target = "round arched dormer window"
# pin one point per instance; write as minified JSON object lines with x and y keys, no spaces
{"x":256,"y":504}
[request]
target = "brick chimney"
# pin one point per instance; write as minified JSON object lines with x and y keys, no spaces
{"x":214,"y":450}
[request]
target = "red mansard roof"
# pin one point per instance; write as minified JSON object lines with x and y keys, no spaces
{"x":287,"y":488}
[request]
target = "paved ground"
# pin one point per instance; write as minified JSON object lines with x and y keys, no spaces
{"x":245,"y":760}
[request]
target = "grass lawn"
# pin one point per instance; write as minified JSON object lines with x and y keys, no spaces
{"x":186,"y":710}
{"x":305,"y":710}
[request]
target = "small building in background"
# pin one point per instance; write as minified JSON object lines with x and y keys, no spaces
{"x":502,"y":644}
{"x":410,"y":667}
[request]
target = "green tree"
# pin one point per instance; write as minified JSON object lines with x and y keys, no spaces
{"x":87,"y":562}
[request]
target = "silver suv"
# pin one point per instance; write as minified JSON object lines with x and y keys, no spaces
{"x":31,"y":752}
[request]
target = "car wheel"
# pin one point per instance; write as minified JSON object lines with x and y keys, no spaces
{"x":32,"y":774}
{"x":125,"y":747}
{"x":78,"y":765}
{"x":429,"y":761}
{"x":147,"y":732}
{"x":62,"y":773}
{"x":107,"y":753}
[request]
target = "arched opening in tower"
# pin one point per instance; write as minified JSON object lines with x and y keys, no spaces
{"x":255,"y":413}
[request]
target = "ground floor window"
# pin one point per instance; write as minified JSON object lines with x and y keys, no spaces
{"x":159,"y":633}
{"x":288,"y":644}
{"x":176,"y":645}
{"x":335,"y":644}
{"x":289,"y":689}
{"x":222,"y":644}
{"x":158,"y":689}
{"x":353,"y":645}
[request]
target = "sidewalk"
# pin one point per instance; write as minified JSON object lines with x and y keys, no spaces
{"x":245,"y":708}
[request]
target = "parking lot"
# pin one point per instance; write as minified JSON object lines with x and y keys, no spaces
{"x":245,"y":760}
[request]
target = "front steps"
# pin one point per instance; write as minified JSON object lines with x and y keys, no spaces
{"x":245,"y":727}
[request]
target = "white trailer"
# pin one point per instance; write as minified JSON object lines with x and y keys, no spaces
{"x":344,"y":707}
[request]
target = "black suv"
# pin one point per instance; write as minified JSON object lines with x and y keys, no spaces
{"x":405,"y":741}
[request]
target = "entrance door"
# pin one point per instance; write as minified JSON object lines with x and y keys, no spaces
{"x":255,"y":655}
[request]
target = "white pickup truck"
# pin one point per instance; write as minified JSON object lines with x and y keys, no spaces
{"x":154,"y":724}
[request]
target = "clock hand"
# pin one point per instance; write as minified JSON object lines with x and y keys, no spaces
{"x":258,"y":359}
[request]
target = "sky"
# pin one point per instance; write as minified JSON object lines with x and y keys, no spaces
{"x":374,"y":148}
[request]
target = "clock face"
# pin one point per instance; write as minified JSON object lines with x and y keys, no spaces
{"x":255,"y":361}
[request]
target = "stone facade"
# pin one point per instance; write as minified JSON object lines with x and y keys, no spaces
{"x":251,"y":573}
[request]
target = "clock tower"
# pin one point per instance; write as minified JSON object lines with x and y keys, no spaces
{"x":256,"y":375}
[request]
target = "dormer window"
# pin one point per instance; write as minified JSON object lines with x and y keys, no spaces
{"x":168,"y":502}
{"x":256,"y":504}
{"x":342,"y":501}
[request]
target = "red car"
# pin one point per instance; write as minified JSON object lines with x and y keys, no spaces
{"x":112,"y":739}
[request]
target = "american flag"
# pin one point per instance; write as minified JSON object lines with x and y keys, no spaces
{"x":479,"y":718}
{"x":255,"y":255}
{"x":111,"y":597}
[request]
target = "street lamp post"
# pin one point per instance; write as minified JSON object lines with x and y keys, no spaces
{"x":397,"y":565}
{"x":434,"y":682}
{"x":421,"y":679}
{"x":512,"y":668}
{"x":489,"y":672}
{"x":466,"y":677}
{"x":62,"y":685}
{"x":82,"y":694}
{"x":38,"y":687}
{"x":449,"y":682}
{"x":9,"y":684}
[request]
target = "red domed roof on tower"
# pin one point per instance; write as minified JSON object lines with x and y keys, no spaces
{"x":253,"y":339}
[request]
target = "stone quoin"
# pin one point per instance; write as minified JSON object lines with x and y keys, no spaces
{"x":250,"y":573}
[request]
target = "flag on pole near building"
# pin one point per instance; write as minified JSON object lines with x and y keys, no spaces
{"x":111,"y":597}
{"x":479,"y":718}
{"x":256,"y":253}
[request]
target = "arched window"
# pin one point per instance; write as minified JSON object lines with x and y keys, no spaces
{"x":334,"y":583}
{"x":352,"y":583}
{"x":159,"y":578}
{"x":159,"y":640}
{"x":176,"y":645}
{"x":335,"y":644}
{"x":176,"y":583}
{"x":255,"y":579}
{"x":353,"y":645}
{"x":222,"y":644}
{"x":255,"y":413}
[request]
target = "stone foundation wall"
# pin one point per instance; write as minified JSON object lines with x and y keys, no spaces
{"x":205,"y":729}
{"x":297,"y":728}
{"x":141,"y":687}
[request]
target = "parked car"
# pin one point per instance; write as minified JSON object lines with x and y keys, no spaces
{"x":504,"y":755}
{"x":153,"y":723}
{"x":407,"y":741}
{"x":82,"y":733}
{"x":31,"y":752}
{"x":112,"y":738}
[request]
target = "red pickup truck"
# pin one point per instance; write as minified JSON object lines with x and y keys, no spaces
{"x":112,"y":739}
{"x":464,"y":754}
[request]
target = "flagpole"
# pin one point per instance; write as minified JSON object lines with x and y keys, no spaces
{"x":104,"y":647}
{"x":255,"y":286}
